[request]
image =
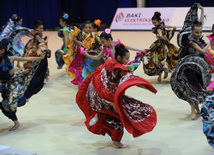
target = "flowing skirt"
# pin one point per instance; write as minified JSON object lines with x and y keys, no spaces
{"x":207,"y":115}
{"x":94,"y":95}
{"x":155,"y":63}
{"x":37,"y":82}
{"x":59,"y":56}
{"x":17,"y":86}
{"x":190,"y":79}
{"x":81,"y":66}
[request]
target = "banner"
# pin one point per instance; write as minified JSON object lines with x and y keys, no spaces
{"x":140,"y":18}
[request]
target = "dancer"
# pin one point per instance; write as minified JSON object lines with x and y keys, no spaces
{"x":109,"y":45}
{"x":14,"y":31}
{"x":106,"y":108}
{"x":14,"y":23}
{"x":82,"y":34}
{"x":209,"y":57}
{"x":109,"y":49}
{"x":94,"y":56}
{"x":13,"y":85}
{"x":192,"y":74}
{"x":162,"y":55}
{"x":76,"y":38}
{"x":88,"y":57}
{"x":211,"y":38}
{"x":64,"y":34}
{"x":34,"y":48}
{"x":207,"y":113}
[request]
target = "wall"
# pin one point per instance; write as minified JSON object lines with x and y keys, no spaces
{"x":49,"y":11}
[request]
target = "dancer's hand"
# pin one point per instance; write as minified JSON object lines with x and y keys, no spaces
{"x":43,"y":55}
{"x":46,"y":37}
{"x":100,"y":50}
{"x":208,"y":43}
{"x":18,"y":66}
{"x":75,"y":38}
{"x":211,"y":90}
{"x":143,"y":51}
{"x":10,"y":20}
{"x":148,"y":55}
{"x":200,"y":7}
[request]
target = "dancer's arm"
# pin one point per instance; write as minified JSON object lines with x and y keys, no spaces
{"x":10,"y":20}
{"x":135,"y":49}
{"x":77,"y":41}
{"x":94,"y":57}
{"x":159,"y":35}
{"x":199,"y":49}
{"x":98,"y":39}
{"x":202,"y":14}
{"x":46,"y":38}
{"x":65,"y":38}
{"x":212,"y":46}
{"x":15,"y":58}
{"x":170,"y":27}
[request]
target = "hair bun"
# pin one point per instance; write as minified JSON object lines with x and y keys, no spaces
{"x":157,"y":14}
{"x":14,"y":16}
{"x":119,"y":46}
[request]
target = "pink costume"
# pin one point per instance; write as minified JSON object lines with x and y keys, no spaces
{"x":209,"y":57}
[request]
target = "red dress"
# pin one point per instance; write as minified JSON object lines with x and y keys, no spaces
{"x":97,"y":90}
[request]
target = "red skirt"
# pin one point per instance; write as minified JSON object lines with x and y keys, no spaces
{"x":137,"y":117}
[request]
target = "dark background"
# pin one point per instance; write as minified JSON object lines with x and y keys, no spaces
{"x":49,"y":11}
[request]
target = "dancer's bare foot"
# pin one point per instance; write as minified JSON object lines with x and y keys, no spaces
{"x":119,"y":145}
{"x":193,"y":116}
{"x":193,"y":113}
{"x":159,"y":78}
{"x":198,"y":111}
{"x":165,"y":74}
{"x":16,"y":126}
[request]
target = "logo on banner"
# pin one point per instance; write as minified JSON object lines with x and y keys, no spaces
{"x":139,"y":18}
{"x":119,"y":17}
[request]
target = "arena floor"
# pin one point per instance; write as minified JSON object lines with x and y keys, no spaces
{"x":52,"y":123}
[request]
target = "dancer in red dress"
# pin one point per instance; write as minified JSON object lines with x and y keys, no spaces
{"x":107,"y":109}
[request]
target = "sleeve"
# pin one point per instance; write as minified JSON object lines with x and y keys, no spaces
{"x":211,"y":38}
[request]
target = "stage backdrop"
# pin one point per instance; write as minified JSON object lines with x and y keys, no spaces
{"x":49,"y":11}
{"x":140,"y":18}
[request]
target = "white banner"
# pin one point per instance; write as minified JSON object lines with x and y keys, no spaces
{"x":140,"y":18}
